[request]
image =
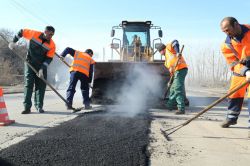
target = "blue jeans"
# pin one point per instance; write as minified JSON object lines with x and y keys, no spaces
{"x":74,"y":77}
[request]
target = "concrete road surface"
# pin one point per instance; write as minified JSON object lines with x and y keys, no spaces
{"x":27,"y":125}
{"x":203,"y":141}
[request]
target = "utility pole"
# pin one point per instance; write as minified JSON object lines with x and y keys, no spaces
{"x":103,"y":53}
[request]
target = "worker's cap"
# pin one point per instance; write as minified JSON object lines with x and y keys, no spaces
{"x":174,"y":43}
{"x":161,"y":47}
{"x":50,"y":28}
{"x":89,"y":51}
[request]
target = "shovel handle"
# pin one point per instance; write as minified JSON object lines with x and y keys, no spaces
{"x":61,"y":59}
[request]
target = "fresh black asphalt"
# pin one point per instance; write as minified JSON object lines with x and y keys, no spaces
{"x":96,"y":138}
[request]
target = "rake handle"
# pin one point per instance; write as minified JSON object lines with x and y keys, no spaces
{"x":217,"y":102}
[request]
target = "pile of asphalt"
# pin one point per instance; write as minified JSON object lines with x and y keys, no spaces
{"x":107,"y":91}
{"x":96,"y":138}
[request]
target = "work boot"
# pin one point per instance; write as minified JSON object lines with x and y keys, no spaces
{"x":40,"y":110}
{"x":170,"y":108}
{"x":179,"y":112}
{"x":69,"y":107}
{"x":87,"y":107}
{"x":26,"y":111}
{"x":228,"y":122}
{"x":74,"y":110}
{"x":186,"y":102}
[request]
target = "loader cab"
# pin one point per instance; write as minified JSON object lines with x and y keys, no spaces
{"x":136,"y":39}
{"x":135,"y":35}
{"x":132,"y":30}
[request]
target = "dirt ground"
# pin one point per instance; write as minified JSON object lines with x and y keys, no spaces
{"x":203,"y":141}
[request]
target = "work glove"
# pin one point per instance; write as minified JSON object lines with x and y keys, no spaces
{"x":179,"y":55}
{"x":40,"y":71}
{"x":12,"y":45}
{"x":61,"y":58}
{"x":90,"y":86}
{"x":248,"y":75}
{"x":171,"y":71}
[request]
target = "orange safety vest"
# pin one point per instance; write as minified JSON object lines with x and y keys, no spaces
{"x":235,"y":51}
{"x":82,"y":62}
{"x":171,"y":59}
{"x":34,"y":37}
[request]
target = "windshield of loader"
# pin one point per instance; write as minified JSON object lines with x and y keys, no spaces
{"x":131,"y":32}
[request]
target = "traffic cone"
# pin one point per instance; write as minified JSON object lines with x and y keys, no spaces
{"x":4,"y":117}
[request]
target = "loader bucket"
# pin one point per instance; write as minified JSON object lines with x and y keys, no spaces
{"x":110,"y":78}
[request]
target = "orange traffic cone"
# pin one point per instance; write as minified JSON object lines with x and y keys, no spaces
{"x":4,"y":117}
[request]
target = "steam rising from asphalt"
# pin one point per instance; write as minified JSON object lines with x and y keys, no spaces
{"x":141,"y":86}
{"x":60,"y":73}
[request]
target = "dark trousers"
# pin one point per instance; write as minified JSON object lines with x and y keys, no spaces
{"x":177,"y":90}
{"x":74,"y":77}
{"x":30,"y":80}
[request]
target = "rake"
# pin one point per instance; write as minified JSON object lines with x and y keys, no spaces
{"x":175,"y":128}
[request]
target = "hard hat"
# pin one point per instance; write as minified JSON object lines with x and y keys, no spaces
{"x":161,"y":47}
{"x":89,"y":51}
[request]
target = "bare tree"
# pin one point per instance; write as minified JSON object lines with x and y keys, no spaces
{"x":11,"y":66}
{"x":207,"y":67}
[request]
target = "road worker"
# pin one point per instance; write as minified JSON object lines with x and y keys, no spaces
{"x":177,"y":91}
{"x":40,"y":53}
{"x":236,"y":50}
{"x":81,"y":69}
{"x":136,"y":43}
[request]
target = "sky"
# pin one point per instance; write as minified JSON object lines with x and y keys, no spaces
{"x":82,"y":24}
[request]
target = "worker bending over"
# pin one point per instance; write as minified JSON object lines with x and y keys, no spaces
{"x":81,"y":69}
{"x":179,"y":71}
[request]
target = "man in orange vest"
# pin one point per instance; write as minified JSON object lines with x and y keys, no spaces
{"x":81,"y":69}
{"x":236,"y":50}
{"x":40,"y":53}
{"x":177,"y":91}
